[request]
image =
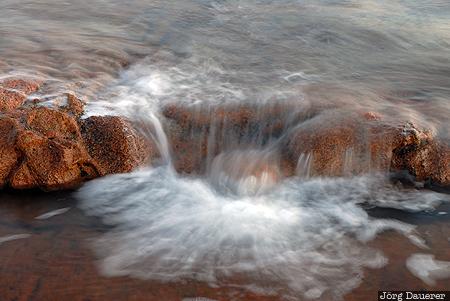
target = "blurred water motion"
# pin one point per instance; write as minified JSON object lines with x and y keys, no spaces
{"x":241,"y":224}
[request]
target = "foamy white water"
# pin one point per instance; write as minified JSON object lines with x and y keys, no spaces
{"x":300,"y":237}
{"x":427,"y":268}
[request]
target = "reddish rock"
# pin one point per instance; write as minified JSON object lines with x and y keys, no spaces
{"x":115,"y":145}
{"x":14,"y":92}
{"x":22,"y":178}
{"x":198,"y":133}
{"x":53,"y":163}
{"x":8,"y":154}
{"x":54,"y":149}
{"x":347,"y":145}
{"x":372,"y":116}
{"x":10,"y":100}
{"x":332,"y":144}
{"x":74,"y":106}
{"x":43,"y":148}
{"x":427,"y":160}
{"x":52,"y":124}
{"x":235,"y":115}
{"x":26,"y":86}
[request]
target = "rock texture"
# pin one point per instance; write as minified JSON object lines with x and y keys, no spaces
{"x":198,"y":133}
{"x":52,"y":148}
{"x":14,"y":92}
{"x":426,"y":159}
{"x":331,"y":142}
{"x":349,"y":145}
{"x":113,"y":143}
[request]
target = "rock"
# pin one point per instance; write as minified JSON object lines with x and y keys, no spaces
{"x":53,"y":155}
{"x":427,"y":160}
{"x":351,"y":144}
{"x":23,"y":178}
{"x":14,"y":92}
{"x":55,"y":149}
{"x":51,"y":124}
{"x":8,"y":154}
{"x":198,"y":133}
{"x":113,"y":143}
{"x":10,"y":100}
{"x":53,"y":163}
{"x":26,"y":86}
{"x":330,"y":144}
{"x":44,"y":148}
{"x":74,"y":106}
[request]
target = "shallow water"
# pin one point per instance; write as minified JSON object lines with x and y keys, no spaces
{"x":380,"y":55}
{"x":240,"y":231}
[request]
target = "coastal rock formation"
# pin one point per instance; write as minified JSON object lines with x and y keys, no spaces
{"x":53,"y":149}
{"x":199,"y":133}
{"x":426,"y":159}
{"x":349,"y":145}
{"x":8,"y":153}
{"x":319,"y":143}
{"x":114,"y":145}
{"x":14,"y":92}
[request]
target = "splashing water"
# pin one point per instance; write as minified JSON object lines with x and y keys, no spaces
{"x":425,"y":267}
{"x":301,"y":236}
{"x":241,"y":223}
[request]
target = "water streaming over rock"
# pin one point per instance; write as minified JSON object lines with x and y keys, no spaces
{"x":250,"y":104}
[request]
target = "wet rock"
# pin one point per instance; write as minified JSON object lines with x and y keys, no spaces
{"x":52,"y":153}
{"x":23,"y":178}
{"x":52,"y":124}
{"x":26,"y":86}
{"x":52,"y":163}
{"x":198,"y":133}
{"x":8,"y":154}
{"x":14,"y":92}
{"x":10,"y":100}
{"x":330,"y":144}
{"x":74,"y":106}
{"x":44,"y":148}
{"x":427,"y":160}
{"x":115,"y":146}
{"x":338,"y":144}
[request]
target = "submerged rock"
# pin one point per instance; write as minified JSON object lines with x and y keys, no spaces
{"x":197,"y":134}
{"x":342,"y":143}
{"x":331,"y":142}
{"x":350,"y":145}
